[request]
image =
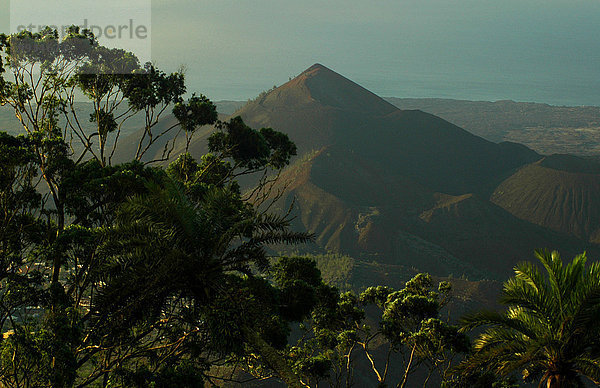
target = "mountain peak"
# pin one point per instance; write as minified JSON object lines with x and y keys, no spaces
{"x":316,"y":67}
{"x":318,"y":95}
{"x":319,"y":69}
{"x":324,"y":86}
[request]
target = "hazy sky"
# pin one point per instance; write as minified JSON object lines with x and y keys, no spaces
{"x":525,"y":50}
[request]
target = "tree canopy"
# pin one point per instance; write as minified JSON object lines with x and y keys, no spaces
{"x":128,"y":274}
{"x":550,"y":330}
{"x":159,"y":270}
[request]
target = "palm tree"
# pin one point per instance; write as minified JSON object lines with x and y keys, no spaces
{"x":551,"y":328}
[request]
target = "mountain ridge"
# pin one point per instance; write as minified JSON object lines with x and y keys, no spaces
{"x":400,"y":186}
{"x":380,"y":131}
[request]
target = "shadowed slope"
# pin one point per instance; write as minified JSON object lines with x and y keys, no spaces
{"x":354,"y":209}
{"x":560,"y":192}
{"x":486,"y":236}
{"x":322,"y":108}
{"x":392,"y":186}
{"x":545,"y":128}
{"x":395,"y":186}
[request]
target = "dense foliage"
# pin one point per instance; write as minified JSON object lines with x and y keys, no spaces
{"x":408,"y":335}
{"x":157,"y":271}
{"x":127,"y":274}
{"x":549,"y":331}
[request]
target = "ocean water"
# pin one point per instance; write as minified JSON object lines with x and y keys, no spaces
{"x":534,"y":50}
{"x":483,"y":88}
{"x":466,"y":86}
{"x":543,"y":51}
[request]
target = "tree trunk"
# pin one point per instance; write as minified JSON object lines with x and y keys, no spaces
{"x":407,"y":371}
{"x":57,"y":262}
{"x":273,"y":359}
{"x":554,"y":381}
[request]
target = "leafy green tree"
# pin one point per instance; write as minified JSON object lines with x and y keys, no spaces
{"x":20,"y":232}
{"x":46,"y":74}
{"x":171,"y":271}
{"x":479,"y":378}
{"x":408,"y":327}
{"x":124,"y":275}
{"x":550,"y":330}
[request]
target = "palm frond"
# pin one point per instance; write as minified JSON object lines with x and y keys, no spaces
{"x":551,"y":322}
{"x":529,"y":290}
{"x":495,"y":319}
{"x":589,"y":367}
